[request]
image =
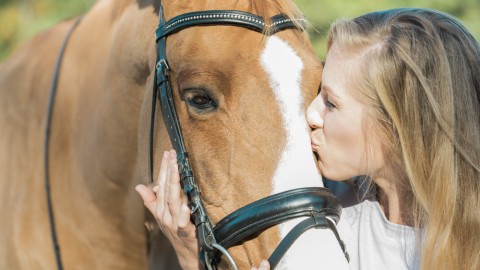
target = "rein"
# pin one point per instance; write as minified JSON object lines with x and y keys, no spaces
{"x":48,"y":126}
{"x":319,"y":205}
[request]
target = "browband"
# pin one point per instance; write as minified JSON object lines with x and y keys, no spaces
{"x":227,"y":17}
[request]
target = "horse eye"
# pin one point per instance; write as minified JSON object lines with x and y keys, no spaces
{"x":201,"y":101}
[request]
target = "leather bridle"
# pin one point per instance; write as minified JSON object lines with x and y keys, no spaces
{"x":319,"y":205}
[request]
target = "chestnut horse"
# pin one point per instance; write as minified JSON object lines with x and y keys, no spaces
{"x":240,"y":97}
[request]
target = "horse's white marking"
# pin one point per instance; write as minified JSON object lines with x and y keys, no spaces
{"x":296,"y":167}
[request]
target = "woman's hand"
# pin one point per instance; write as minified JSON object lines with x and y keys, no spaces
{"x":263,"y":266}
{"x":169,"y":206}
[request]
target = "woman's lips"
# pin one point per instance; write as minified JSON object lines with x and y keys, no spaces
{"x":314,"y":145}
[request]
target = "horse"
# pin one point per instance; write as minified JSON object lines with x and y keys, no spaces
{"x":240,"y":97}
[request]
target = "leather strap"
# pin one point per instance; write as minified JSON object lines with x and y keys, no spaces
{"x":189,"y":185}
{"x":273,"y":210}
{"x":316,"y":221}
{"x":48,"y":127}
{"x":226,"y":17}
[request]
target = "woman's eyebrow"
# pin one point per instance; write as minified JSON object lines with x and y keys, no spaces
{"x":329,"y":91}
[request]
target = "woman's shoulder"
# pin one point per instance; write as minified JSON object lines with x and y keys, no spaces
{"x":375,"y":243}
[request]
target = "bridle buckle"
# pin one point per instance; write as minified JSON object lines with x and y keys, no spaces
{"x":163,"y":65}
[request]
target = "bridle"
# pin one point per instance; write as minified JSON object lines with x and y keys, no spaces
{"x":318,"y":206}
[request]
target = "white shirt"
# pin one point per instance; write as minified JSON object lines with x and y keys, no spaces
{"x":375,"y":243}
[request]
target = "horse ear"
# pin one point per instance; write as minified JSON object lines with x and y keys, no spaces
{"x":155,"y":4}
{"x":147,"y":3}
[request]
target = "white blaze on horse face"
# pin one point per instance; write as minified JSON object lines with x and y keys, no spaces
{"x":296,"y":167}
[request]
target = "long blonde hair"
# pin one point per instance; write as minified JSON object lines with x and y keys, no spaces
{"x":421,"y":80}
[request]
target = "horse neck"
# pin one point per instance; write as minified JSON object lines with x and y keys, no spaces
{"x":105,"y":70}
{"x":93,"y":147}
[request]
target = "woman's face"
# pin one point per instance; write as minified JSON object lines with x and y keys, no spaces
{"x":335,"y":116}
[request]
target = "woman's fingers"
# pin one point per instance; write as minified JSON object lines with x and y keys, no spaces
{"x":148,"y":197}
{"x":176,"y":201}
{"x":169,"y":205}
{"x":160,"y":187}
{"x":175,"y":195}
{"x":167,"y":218}
{"x":166,"y":200}
{"x":185,"y":226}
{"x":263,"y":266}
{"x":184,"y":216}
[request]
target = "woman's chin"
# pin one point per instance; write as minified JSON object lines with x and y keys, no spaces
{"x":331,"y":174}
{"x":328,"y":172}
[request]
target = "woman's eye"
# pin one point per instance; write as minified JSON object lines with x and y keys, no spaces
{"x":329,"y":105}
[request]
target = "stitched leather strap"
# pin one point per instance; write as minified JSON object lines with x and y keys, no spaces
{"x":163,"y":86}
{"x":316,"y":221}
{"x":226,"y":17}
{"x":273,"y":210}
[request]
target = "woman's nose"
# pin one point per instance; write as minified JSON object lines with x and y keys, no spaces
{"x":314,"y":113}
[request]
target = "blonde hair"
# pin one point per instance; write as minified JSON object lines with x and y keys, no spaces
{"x":421,"y":81}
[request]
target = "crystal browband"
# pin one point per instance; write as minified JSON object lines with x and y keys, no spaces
{"x":229,"y":17}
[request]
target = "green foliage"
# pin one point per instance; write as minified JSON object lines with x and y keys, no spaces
{"x":322,"y":13}
{"x":21,"y":19}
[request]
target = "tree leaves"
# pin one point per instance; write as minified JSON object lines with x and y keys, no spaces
{"x":21,"y":19}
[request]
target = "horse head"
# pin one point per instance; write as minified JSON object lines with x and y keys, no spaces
{"x":240,"y":97}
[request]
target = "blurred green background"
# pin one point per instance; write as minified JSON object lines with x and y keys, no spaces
{"x":21,"y":19}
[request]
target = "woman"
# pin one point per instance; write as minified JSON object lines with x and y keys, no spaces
{"x":399,"y":103}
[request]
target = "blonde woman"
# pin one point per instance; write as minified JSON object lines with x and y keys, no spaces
{"x":399,"y":103}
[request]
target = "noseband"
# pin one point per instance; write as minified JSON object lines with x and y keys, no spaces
{"x":318,"y":205}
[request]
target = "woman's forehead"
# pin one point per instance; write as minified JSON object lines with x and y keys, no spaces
{"x":341,"y":72}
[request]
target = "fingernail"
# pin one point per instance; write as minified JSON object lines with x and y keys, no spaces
{"x":264,"y":264}
{"x":165,"y":154}
{"x":172,"y":154}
